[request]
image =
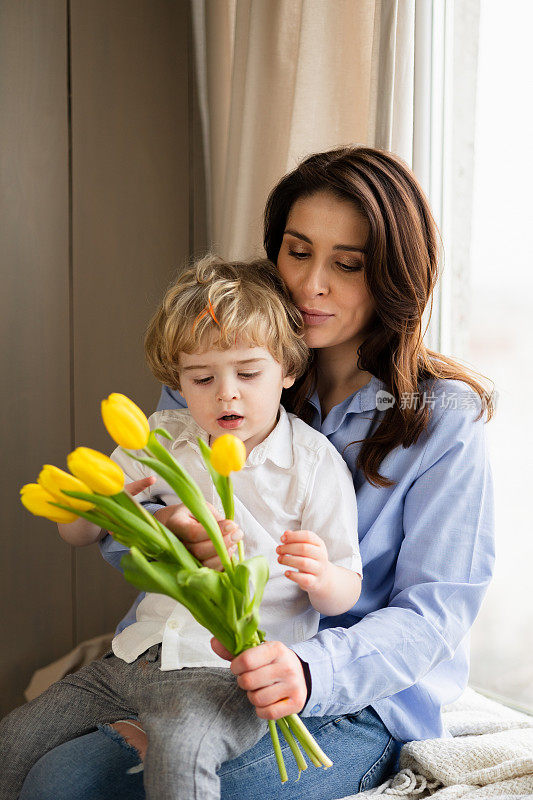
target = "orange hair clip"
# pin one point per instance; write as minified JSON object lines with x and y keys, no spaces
{"x":207,"y":310}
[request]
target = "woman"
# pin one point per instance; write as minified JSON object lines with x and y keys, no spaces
{"x":354,"y":239}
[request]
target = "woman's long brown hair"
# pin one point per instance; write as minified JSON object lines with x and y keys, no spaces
{"x":401,"y":271}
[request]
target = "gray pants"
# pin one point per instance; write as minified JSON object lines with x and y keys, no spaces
{"x":194,"y":718}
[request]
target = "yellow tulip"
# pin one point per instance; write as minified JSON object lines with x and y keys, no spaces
{"x":37,"y":500}
{"x":96,"y":470}
{"x":228,"y":454}
{"x":125,"y":422}
{"x":54,"y":480}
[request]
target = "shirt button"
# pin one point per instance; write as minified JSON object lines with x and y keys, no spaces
{"x":315,"y":710}
{"x":172,"y":625}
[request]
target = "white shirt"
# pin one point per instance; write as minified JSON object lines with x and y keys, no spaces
{"x":293,"y":480}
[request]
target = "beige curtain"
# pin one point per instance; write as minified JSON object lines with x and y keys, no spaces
{"x":280,"y":79}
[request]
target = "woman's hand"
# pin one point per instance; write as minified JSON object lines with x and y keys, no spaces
{"x":180,"y":521}
{"x":271,"y":675}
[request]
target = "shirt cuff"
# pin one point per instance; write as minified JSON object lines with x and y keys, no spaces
{"x":307,"y":676}
{"x":152,"y":507}
{"x":112,"y":551}
{"x":321,"y":672}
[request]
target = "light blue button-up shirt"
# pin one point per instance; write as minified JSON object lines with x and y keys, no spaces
{"x":427,"y":546}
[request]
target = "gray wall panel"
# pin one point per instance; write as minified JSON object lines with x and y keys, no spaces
{"x":35,"y":586}
{"x":131,"y":229}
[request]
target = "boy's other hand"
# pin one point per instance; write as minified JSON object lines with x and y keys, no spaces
{"x":306,"y":552}
{"x":181,"y":522}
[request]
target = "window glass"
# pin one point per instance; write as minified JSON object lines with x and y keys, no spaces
{"x":499,"y":340}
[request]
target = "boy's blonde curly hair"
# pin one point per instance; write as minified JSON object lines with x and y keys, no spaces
{"x":214,"y":303}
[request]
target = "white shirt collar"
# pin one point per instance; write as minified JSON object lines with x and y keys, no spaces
{"x":277,"y":447}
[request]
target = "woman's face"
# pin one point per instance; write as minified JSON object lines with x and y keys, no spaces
{"x":321,"y":259}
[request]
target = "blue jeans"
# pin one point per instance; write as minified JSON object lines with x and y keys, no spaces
{"x":95,"y":766}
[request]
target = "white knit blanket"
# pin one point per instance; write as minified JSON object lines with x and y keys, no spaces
{"x":490,"y":755}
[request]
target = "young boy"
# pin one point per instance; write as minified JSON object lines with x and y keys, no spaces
{"x":228,"y":338}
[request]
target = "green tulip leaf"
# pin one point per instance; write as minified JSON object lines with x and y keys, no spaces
{"x":163,"y":432}
{"x":210,"y":601}
{"x":215,"y":588}
{"x":91,"y":516}
{"x":153,"y":576}
{"x":241,"y":582}
{"x":162,"y":454}
{"x":246,"y":630}
{"x":214,"y":585}
{"x":149,"y":576}
{"x":255,"y":570}
{"x":134,"y":529}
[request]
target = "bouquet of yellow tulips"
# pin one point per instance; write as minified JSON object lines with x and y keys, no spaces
{"x":157,"y":561}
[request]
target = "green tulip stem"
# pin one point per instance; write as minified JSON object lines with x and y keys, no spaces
{"x":120,"y":531}
{"x":133,"y":529}
{"x":224,"y":487}
{"x":240,"y":550}
{"x":229,"y":511}
{"x":307,"y":740}
{"x":307,"y":746}
{"x":227,"y":497}
{"x":127,"y":501}
{"x":289,"y":738}
{"x":277,"y":750}
{"x":91,"y":515}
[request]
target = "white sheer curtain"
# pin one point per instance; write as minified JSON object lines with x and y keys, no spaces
{"x":280,"y":79}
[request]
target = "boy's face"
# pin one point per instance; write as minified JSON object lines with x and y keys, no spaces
{"x":233,"y":391}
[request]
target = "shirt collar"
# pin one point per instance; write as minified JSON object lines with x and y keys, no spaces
{"x":277,"y":447}
{"x":190,"y":432}
{"x":361,"y":401}
{"x":365,"y":399}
